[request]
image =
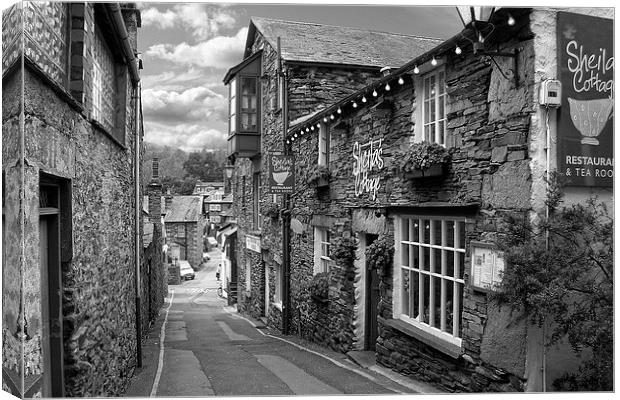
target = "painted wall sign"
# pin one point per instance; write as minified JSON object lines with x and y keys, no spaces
{"x":585,"y":125}
{"x":252,"y":243}
{"x":487,"y":266}
{"x":367,"y":159}
{"x":281,"y":174}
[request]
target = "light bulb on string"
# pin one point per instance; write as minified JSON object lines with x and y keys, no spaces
{"x":511,"y":20}
{"x":416,"y":70}
{"x":400,"y":80}
{"x":288,"y":142}
{"x":307,"y":129}
{"x":318,"y":125}
{"x":325,"y":119}
{"x":354,"y":105}
{"x":295,"y":135}
{"x":374,"y":93}
{"x":363,"y":99}
{"x":332,"y":117}
{"x":387,"y":87}
{"x":312,"y":128}
{"x":433,"y":62}
{"x":339,"y":111}
{"x":458,"y":50}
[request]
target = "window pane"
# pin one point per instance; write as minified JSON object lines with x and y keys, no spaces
{"x":415,"y":230}
{"x":233,"y":123}
{"x":406,"y":296}
{"x":414,"y":300}
{"x":440,"y":132}
{"x":427,"y":231}
{"x":450,"y":263}
{"x":441,"y":107}
{"x":461,"y":235}
{"x":415,"y":252}
{"x":427,"y":112}
{"x":436,"y":322}
{"x":436,"y":260}
{"x":426,"y":258}
{"x":449,"y":234}
{"x":405,"y":255}
{"x":436,"y":231}
{"x":441,"y":86}
{"x":425,"y":299}
{"x":449,"y":298}
{"x":458,"y":306}
{"x":404,"y":229}
{"x":460,"y":264}
{"x":433,"y":117}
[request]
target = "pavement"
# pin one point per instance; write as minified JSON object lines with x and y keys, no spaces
{"x":199,"y":346}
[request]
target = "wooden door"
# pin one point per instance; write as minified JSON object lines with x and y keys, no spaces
{"x":372,"y":302}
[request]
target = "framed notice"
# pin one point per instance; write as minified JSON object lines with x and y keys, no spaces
{"x":281,"y":179}
{"x":585,"y":118}
{"x":487,"y":266}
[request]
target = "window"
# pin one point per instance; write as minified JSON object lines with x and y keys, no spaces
{"x":277,"y":296}
{"x":322,"y":260}
{"x":232,"y":106}
{"x":249,"y":110}
{"x":430,"y":262}
{"x":215,"y":207}
{"x":434,"y":107}
{"x":181,"y":230}
{"x":324,"y":144}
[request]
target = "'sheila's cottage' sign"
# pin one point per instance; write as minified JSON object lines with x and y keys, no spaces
{"x":367,"y":159}
{"x":585,"y":125}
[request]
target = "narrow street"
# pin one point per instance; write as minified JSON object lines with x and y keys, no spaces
{"x":210,"y":350}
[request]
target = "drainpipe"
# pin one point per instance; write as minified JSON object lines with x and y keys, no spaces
{"x":118,"y":23}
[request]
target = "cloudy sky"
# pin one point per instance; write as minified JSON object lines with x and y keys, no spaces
{"x":188,"y":47}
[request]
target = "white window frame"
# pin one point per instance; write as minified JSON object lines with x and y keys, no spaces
{"x":277,"y":294}
{"x":322,"y":260}
{"x":417,"y":222}
{"x":439,"y":99}
{"x":324,"y":144}
{"x":232,"y":106}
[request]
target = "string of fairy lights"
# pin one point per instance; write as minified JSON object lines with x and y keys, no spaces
{"x":373,"y":91}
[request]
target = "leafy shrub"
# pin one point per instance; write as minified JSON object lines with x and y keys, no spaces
{"x":316,"y":173}
{"x":271,"y":210}
{"x":380,"y":255}
{"x":319,"y":285}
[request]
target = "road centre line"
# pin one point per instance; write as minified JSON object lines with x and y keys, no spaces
{"x":162,"y":337}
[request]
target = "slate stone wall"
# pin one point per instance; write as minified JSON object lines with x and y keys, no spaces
{"x":309,"y":88}
{"x":98,"y":265}
{"x":488,"y":122}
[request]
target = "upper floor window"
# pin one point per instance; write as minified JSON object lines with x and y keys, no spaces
{"x":249,"y":104}
{"x":430,"y":262}
{"x":324,"y":139}
{"x":322,"y":245}
{"x":434,"y":106}
{"x":232,"y":104}
{"x":104,"y":83}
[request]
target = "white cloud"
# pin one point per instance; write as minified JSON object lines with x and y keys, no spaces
{"x":203,"y":21}
{"x":199,"y":104}
{"x":188,"y":137}
{"x":218,"y":52}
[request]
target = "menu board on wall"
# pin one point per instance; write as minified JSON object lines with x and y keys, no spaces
{"x":585,"y":124}
{"x":487,"y":266}
{"x":281,"y":174}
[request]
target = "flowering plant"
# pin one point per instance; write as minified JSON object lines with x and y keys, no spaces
{"x":318,"y":173}
{"x":423,"y":155}
{"x":319,"y":285}
{"x":380,"y":255}
{"x":272,"y":210}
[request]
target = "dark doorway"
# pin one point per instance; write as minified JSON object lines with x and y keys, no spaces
{"x":372,"y":302}
{"x":54,"y":255}
{"x":232,"y":256}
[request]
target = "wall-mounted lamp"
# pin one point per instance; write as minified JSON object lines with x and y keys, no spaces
{"x":479,"y":19}
{"x":228,"y":170}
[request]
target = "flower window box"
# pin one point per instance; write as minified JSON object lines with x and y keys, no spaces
{"x":424,"y":160}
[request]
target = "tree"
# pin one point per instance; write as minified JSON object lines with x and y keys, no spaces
{"x":204,"y":165}
{"x":562,"y":269}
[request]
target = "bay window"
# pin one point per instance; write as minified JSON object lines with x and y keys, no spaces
{"x":430,"y":262}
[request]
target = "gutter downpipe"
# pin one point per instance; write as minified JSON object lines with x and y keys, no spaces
{"x":286,"y":215}
{"x":130,"y":60}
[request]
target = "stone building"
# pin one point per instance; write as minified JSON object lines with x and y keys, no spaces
{"x":184,"y":225}
{"x":215,"y":206}
{"x":317,"y":65}
{"x":428,"y":314}
{"x":71,"y":135}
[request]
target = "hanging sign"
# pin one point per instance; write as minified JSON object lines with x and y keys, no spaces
{"x":585,"y":124}
{"x":281,"y":178}
{"x":367,"y":164}
{"x":487,"y":266}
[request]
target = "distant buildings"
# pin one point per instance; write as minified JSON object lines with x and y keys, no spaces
{"x":184,"y":225}
{"x":73,"y":249}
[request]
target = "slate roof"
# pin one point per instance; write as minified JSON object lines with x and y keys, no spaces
{"x":318,"y":43}
{"x":184,"y":208}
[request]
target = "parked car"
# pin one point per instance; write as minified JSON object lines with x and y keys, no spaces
{"x":187,"y":272}
{"x":205,"y":257}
